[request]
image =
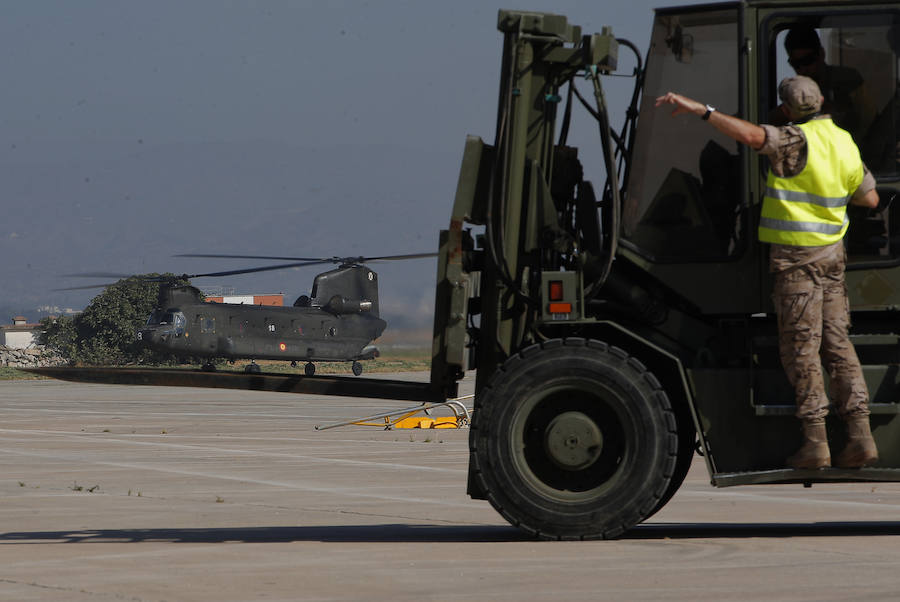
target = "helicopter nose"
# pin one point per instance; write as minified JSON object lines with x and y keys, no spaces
{"x":147,"y":336}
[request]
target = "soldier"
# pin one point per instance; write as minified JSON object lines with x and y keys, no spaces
{"x":815,"y":169}
{"x":846,"y":95}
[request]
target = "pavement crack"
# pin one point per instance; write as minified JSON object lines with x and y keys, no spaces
{"x":366,"y":514}
{"x":59,"y":588}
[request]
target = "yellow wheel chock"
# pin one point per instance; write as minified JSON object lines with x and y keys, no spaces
{"x":407,"y":419}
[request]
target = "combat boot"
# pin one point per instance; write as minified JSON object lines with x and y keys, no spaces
{"x":860,"y":450}
{"x":814,"y":452}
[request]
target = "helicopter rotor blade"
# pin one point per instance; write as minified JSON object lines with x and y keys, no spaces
{"x":272,"y":257}
{"x":120,"y":277}
{"x":398,"y":257}
{"x":164,"y":278}
{"x":97,"y":275}
{"x":85,"y":287}
{"x":264,"y":268}
{"x":296,"y":262}
{"x":335,"y":259}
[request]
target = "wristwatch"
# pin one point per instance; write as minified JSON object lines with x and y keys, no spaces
{"x":709,"y":111}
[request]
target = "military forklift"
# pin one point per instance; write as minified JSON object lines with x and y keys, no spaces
{"x":619,"y":330}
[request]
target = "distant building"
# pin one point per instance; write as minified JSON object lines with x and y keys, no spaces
{"x":20,"y":334}
{"x":277,"y":300}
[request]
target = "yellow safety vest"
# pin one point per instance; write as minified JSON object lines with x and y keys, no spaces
{"x":810,"y":208}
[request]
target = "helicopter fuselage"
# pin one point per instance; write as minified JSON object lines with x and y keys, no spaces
{"x":338,"y":323}
{"x":262,"y":332}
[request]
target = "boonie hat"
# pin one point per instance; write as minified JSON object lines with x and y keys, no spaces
{"x":801,"y":94}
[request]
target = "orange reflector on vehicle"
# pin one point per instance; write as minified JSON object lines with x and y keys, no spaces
{"x":560,"y":308}
{"x":556,"y":290}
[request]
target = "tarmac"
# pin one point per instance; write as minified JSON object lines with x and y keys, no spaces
{"x":164,"y":493}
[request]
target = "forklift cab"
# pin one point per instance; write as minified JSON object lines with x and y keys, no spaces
{"x":694,"y":212}
{"x":692,"y":203}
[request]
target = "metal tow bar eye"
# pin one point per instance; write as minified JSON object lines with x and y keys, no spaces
{"x":573,"y":441}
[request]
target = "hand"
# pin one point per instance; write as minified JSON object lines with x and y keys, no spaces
{"x":683,"y":104}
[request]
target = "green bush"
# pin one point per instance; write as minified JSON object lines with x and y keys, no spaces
{"x":105,"y":332}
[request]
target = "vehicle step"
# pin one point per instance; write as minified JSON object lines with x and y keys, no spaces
{"x":806,"y":477}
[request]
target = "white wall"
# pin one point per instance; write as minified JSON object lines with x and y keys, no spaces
{"x":18,"y":339}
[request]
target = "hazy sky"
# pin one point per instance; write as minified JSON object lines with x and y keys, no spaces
{"x":331,"y":72}
{"x":92,"y":80}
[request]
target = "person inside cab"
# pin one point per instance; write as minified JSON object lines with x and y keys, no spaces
{"x":846,"y":96}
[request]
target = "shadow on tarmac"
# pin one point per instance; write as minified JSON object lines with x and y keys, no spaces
{"x":402,"y":533}
{"x":771,"y":530}
{"x":397,"y":533}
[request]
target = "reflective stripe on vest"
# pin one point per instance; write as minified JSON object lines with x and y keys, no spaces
{"x":810,"y":208}
{"x":789,"y":226}
{"x":796,"y":196}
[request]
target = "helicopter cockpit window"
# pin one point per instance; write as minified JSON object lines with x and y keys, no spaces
{"x":174,"y":320}
{"x":684,"y":194}
{"x":161,"y":318}
{"x":179,"y":322}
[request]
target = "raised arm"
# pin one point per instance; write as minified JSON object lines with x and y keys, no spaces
{"x":743,"y":131}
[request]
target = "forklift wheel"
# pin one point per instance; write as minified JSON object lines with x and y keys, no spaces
{"x":574,"y":439}
{"x":687,"y":447}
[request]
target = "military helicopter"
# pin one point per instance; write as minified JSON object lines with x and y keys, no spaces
{"x":337,"y":322}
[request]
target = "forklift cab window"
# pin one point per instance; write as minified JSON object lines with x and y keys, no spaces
{"x":684,"y":194}
{"x":854,"y":59}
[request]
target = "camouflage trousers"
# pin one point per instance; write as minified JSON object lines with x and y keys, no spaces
{"x":813,"y":328}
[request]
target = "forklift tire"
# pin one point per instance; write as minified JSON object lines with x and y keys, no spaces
{"x":687,"y":447}
{"x":573,"y":439}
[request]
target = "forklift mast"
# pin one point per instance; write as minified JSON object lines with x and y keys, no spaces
{"x":526,"y":196}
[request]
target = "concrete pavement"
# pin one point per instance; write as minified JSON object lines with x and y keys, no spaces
{"x":155,"y":493}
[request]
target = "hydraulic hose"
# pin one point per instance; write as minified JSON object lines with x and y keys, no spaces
{"x":612,"y":179}
{"x":631,"y":114}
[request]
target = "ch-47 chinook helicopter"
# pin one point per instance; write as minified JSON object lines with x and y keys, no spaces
{"x":337,"y":322}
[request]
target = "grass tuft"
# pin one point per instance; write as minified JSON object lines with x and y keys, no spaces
{"x":7,"y":373}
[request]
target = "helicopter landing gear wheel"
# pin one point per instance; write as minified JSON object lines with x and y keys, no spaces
{"x":208,"y":367}
{"x":573,"y":439}
{"x":309,"y":369}
{"x":252,"y":368}
{"x":356,"y":368}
